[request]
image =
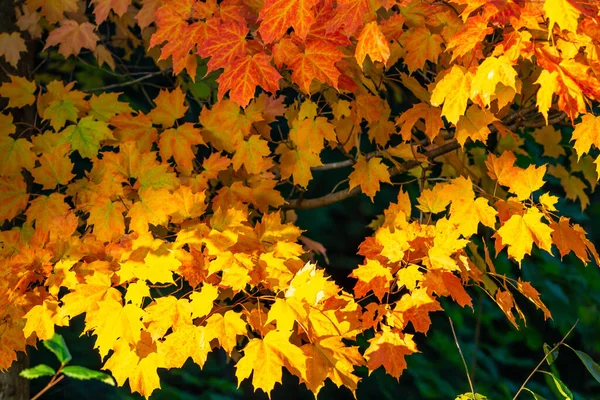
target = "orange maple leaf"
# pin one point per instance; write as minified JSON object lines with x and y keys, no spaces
{"x":71,"y":37}
{"x":248,"y":72}
{"x":368,"y":174}
{"x":277,"y":16}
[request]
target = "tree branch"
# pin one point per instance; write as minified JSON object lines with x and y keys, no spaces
{"x":512,"y":122}
{"x":128,"y":83}
{"x":306,"y":204}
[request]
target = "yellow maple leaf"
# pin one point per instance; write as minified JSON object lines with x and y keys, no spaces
{"x":368,"y":174}
{"x":330,"y":358}
{"x":298,"y":164}
{"x":252,"y":154}
{"x":113,"y":321}
{"x":474,"y":125}
{"x":187,"y":341}
{"x":41,"y":319}
{"x":453,"y":90}
{"x":491,"y":72}
{"x":19,"y":91}
{"x":520,"y":232}
{"x":202,"y":301}
{"x":563,"y":13}
{"x":137,"y":364}
{"x":586,"y":134}
{"x":166,"y":313}
{"x":13,"y":196}
{"x":170,"y":106}
{"x":225,"y":328}
{"x":86,"y":296}
{"x":265,"y":357}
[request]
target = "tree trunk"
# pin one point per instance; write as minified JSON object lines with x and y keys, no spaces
{"x":12,"y":386}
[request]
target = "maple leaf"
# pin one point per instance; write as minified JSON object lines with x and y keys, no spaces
{"x":316,"y":62}
{"x":136,"y":292}
{"x":421,"y":46}
{"x":170,"y":106}
{"x":86,"y":136}
{"x":167,"y":313}
{"x":252,"y":154}
{"x":265,"y":357}
{"x":107,"y":105}
{"x":388,"y":349}
{"x":13,"y":195}
{"x":373,"y":43}
{"x":372,"y":276}
{"x":86,"y":296}
{"x":103,"y":7}
{"x":526,"y":181}
{"x":452,"y":90}
{"x":55,"y":168}
{"x":225,"y":46}
{"x":11,"y":45}
{"x":180,"y":144}
{"x":414,"y":307}
{"x":309,"y":133}
{"x":187,"y":341}
{"x":138,"y":365}
{"x":298,"y":164}
{"x":187,"y":204}
{"x":550,"y":138}
{"x":54,"y":10}
{"x":41,"y":319}
{"x":368,"y":174}
{"x":563,"y":13}
{"x":520,"y":232}
{"x":202,"y":301}
{"x":331,"y":358}
{"x":573,"y":238}
{"x":16,"y":155}
{"x":107,"y":218}
{"x":277,"y":16}
{"x":491,"y":72}
{"x":19,"y":91}
{"x":574,"y":187}
{"x":586,"y":134}
{"x":61,"y":104}
{"x":225,"y":328}
{"x":431,"y":115}
{"x":474,"y":125}
{"x":113,"y":321}
{"x":349,"y":15}
{"x":248,"y":72}
{"x":469,"y":36}
{"x":71,"y":37}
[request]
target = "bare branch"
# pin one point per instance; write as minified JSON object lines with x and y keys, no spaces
{"x":129,"y":83}
{"x":306,"y":204}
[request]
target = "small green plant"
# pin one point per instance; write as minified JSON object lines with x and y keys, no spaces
{"x":59,"y":348}
{"x":552,"y":376}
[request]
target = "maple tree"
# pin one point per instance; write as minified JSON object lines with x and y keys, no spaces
{"x":202,"y":203}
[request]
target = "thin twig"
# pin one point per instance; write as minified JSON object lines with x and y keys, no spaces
{"x":544,"y":359}
{"x":128,"y":83}
{"x":462,"y":358}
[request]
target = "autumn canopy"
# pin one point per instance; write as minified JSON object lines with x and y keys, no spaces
{"x":171,"y":228}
